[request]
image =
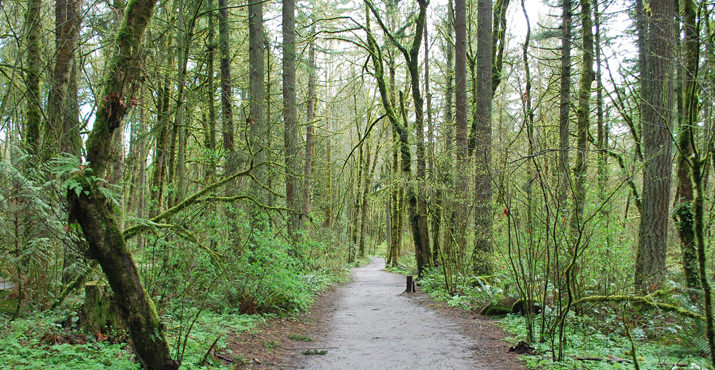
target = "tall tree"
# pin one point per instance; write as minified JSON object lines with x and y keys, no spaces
{"x":583,"y":113}
{"x":210,"y":140}
{"x":226,"y":100}
{"x":257,"y":88}
{"x":564,"y":100}
{"x":657,"y":110}
{"x":290,"y":119}
{"x":309,"y":129}
{"x":417,"y":206}
{"x":460,"y":87}
{"x":66,"y":35}
{"x":482,"y":128}
{"x":33,"y":61}
{"x":682,"y":209}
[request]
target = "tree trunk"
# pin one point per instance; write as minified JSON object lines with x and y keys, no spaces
{"x":97,"y":216}
{"x":461,"y":168}
{"x":483,"y":140}
{"x":310,"y":116}
{"x":290,"y":120}
{"x":432,"y":171}
{"x":564,"y":101}
{"x":66,"y":35}
{"x":226,"y":101}
{"x":682,"y":209}
{"x":601,"y":125}
{"x":582,"y":117}
{"x":657,"y":109}
{"x":210,"y":140}
{"x":33,"y":65}
{"x":161,"y":150}
{"x":257,"y":90}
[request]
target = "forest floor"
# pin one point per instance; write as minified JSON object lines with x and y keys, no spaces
{"x":369,"y":323}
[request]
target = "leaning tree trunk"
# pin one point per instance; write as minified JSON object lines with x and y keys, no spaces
{"x":96,"y":214}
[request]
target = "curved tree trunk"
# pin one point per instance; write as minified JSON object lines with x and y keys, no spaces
{"x":96,"y":214}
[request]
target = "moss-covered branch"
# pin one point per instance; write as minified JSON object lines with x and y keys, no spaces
{"x":645,"y":300}
{"x":136,"y":229}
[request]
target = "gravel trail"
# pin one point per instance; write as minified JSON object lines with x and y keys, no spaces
{"x":374,"y":325}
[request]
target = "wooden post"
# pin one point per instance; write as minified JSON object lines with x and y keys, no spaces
{"x":410,"y":285}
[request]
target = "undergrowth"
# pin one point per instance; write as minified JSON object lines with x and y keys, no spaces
{"x":591,"y":346}
{"x":596,"y":339}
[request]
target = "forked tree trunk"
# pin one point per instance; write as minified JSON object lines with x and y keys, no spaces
{"x":97,"y":216}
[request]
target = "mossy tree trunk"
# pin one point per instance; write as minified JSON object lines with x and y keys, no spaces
{"x":682,"y":209}
{"x":482,"y":129}
{"x":33,"y":60}
{"x":417,"y":203}
{"x":96,"y":214}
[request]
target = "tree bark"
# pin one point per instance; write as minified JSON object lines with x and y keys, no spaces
{"x":33,"y":63}
{"x":657,"y":107}
{"x":310,"y":116}
{"x":682,"y":209}
{"x":97,"y":216}
{"x":66,"y":35}
{"x":564,"y":101}
{"x":583,"y":117}
{"x":210,"y":140}
{"x":483,"y":150}
{"x":290,"y":120}
{"x":461,"y":167}
{"x":226,"y":100}
{"x":257,"y":90}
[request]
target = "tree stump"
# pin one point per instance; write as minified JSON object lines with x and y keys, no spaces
{"x":410,"y":285}
{"x":99,"y":310}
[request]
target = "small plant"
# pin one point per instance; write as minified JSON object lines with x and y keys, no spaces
{"x":320,"y":352}
{"x":300,"y":338}
{"x":271,"y":344}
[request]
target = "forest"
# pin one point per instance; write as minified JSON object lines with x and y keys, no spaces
{"x":176,"y":173}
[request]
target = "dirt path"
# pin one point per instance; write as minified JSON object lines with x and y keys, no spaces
{"x":375,"y":326}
